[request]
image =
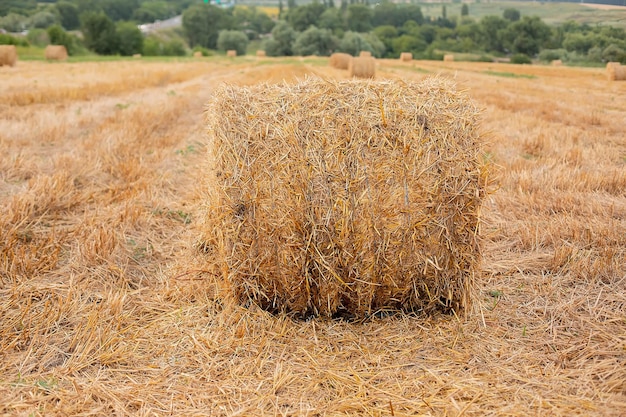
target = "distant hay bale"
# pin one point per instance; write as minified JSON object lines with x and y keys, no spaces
{"x":556,"y":63}
{"x":340,"y":60}
{"x":137,"y":56}
{"x":365,"y":54}
{"x":56,"y":53}
{"x":344,"y":197}
{"x":448,"y":57}
{"x":231,"y":53}
{"x":406,"y":57}
{"x":8,"y":55}
{"x":197,"y":54}
{"x":260,"y":53}
{"x":615,"y":71}
{"x":362,"y":67}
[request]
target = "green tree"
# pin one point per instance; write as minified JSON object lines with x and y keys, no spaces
{"x":150,"y":11}
{"x":282,"y":40}
{"x":99,"y":33}
{"x":130,"y":38}
{"x":408,"y":43}
{"x":58,"y":36}
{"x":42,"y":20}
{"x":359,"y":18}
{"x":465,"y":10}
{"x":332,"y":19}
{"x":386,"y":34}
{"x":14,"y":22}
{"x":202,"y":24}
{"x":69,"y":15}
{"x":17,"y":6}
{"x":314,"y":41}
{"x":302,"y":17}
{"x":614,"y":53}
{"x":511,"y":14}
{"x":490,"y":33}
{"x":353,"y":43}
{"x":232,"y":39}
{"x":119,"y":9}
{"x":527,"y":36}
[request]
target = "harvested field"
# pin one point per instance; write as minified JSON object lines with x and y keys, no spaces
{"x":107,"y":308}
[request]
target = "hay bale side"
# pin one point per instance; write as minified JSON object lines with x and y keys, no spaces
{"x":615,"y":71}
{"x":197,"y":54}
{"x":260,"y":53}
{"x":448,"y":57}
{"x":556,"y":63}
{"x":350,"y":196}
{"x":137,"y":56}
{"x":340,"y":60}
{"x":56,"y":53}
{"x":8,"y":55}
{"x":365,"y":54}
{"x":231,"y":53}
{"x":362,"y":67}
{"x":406,"y":57}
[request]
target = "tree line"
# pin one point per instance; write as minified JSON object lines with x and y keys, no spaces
{"x":319,"y":28}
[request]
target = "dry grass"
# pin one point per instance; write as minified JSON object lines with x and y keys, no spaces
{"x":106,"y":309}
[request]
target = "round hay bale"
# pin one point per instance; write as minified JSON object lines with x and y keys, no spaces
{"x":362,"y":67}
{"x":344,"y":197}
{"x":260,"y":53}
{"x":365,"y":54}
{"x":137,"y":56}
{"x":615,"y":71}
{"x":406,"y":57}
{"x":231,"y":53}
{"x":340,"y":60}
{"x":448,"y":57}
{"x":556,"y":63}
{"x":56,"y":53}
{"x":197,"y":54}
{"x":8,"y":55}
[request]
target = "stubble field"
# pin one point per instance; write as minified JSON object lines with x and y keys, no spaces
{"x":106,"y":309}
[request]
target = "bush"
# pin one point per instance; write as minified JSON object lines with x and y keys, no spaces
{"x":12,"y":40}
{"x":232,"y":39}
{"x":520,"y":59}
{"x":204,"y":51}
{"x":282,"y":40}
{"x":130,"y":38}
{"x":549,"y":55}
{"x":58,"y":36}
{"x":175,"y":47}
{"x":614,"y":53}
{"x":38,"y":37}
{"x":314,"y":41}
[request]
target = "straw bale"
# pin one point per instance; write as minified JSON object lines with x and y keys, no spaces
{"x":8,"y":55}
{"x":615,"y":71}
{"x":231,"y":53}
{"x":340,"y":60}
{"x":137,"y":56}
{"x":197,"y":54}
{"x":362,"y":67}
{"x":365,"y":54}
{"x":56,"y":53}
{"x":556,"y":63}
{"x":448,"y":57}
{"x":260,"y":53}
{"x":406,"y":57}
{"x":344,"y":197}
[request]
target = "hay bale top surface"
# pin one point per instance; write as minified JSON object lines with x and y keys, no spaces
{"x":353,"y":196}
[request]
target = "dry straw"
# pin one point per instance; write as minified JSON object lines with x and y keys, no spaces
{"x":448,"y":57}
{"x":340,"y":60}
{"x":260,"y":53}
{"x":615,"y":71}
{"x":197,"y":54}
{"x":8,"y":55}
{"x":365,"y":54}
{"x":344,"y":197}
{"x":556,"y":63}
{"x":362,"y":67}
{"x":56,"y":53}
{"x":231,"y":53}
{"x":406,"y":57}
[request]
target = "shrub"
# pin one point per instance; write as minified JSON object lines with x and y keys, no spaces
{"x":232,"y":40}
{"x":520,"y":59}
{"x":12,"y":40}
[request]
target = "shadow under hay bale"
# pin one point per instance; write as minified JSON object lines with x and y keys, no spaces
{"x":55,"y":53}
{"x":362,"y":67}
{"x":347,"y":197}
{"x":8,"y":55}
{"x":340,"y":60}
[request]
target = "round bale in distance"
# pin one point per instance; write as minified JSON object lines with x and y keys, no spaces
{"x":344,"y":197}
{"x":406,"y":57}
{"x":231,"y":53}
{"x":362,"y":67}
{"x":365,"y":54}
{"x":615,"y":71}
{"x":340,"y":60}
{"x":260,"y":53}
{"x":448,"y":57}
{"x":197,"y":54}
{"x":8,"y":55}
{"x":56,"y":53}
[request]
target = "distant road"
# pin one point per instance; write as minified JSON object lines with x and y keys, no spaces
{"x":173,"y":22}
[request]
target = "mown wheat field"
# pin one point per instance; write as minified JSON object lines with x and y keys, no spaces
{"x":106,"y":309}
